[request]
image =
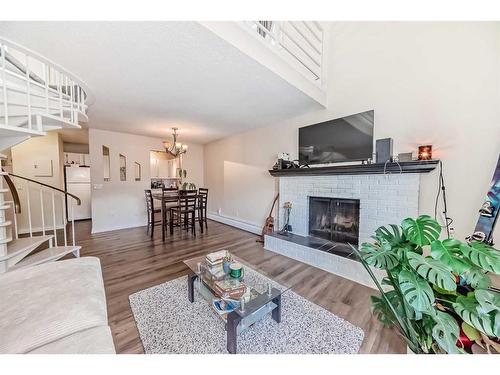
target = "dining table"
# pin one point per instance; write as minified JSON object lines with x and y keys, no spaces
{"x":169,"y":198}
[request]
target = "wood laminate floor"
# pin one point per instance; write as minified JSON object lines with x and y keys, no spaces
{"x":132,"y":261}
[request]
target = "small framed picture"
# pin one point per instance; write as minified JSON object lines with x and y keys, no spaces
{"x":43,"y":168}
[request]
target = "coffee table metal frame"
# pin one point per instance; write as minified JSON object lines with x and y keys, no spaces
{"x":263,"y":304}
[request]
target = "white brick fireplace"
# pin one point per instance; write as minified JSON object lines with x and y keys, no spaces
{"x":384,"y":199}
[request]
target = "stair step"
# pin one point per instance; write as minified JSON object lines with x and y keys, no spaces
{"x":12,"y":131}
{"x":47,"y":255}
{"x":25,"y":244}
{"x":5,"y":223}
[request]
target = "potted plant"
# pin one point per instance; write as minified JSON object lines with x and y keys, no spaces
{"x":436,"y":293}
{"x":185,"y":185}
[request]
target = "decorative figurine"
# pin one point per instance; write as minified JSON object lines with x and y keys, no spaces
{"x":226,"y":262}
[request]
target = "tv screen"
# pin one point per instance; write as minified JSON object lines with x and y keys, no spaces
{"x":344,"y":139}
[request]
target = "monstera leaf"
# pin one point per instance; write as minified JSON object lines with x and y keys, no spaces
{"x":433,"y":270}
{"x":446,"y":332}
{"x":382,"y":311}
{"x":421,"y":231}
{"x":482,"y":255}
{"x":380,"y":307}
{"x":416,"y":291}
{"x":468,"y":308}
{"x":476,"y":278}
{"x":403,"y":249}
{"x":394,"y":237}
{"x":489,"y":300}
{"x":448,"y":252}
{"x":380,"y":256}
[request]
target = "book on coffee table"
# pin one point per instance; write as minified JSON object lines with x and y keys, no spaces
{"x":215,"y":258}
{"x":231,"y":288}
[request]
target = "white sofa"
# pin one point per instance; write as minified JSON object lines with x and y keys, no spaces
{"x":55,"y":308}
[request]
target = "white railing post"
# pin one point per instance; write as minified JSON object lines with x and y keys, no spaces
{"x":72,"y":99}
{"x":79,"y":97}
{"x":42,"y":211}
{"x":300,"y":40}
{"x":82,"y":99}
{"x":14,"y":214}
{"x":54,"y":217}
{"x":46,"y":73}
{"x":39,"y":123}
{"x":73,"y":221}
{"x":59,"y":90}
{"x":63,"y":219}
{"x":28,"y":201}
{"x":4,"y":86}
{"x":28,"y":91}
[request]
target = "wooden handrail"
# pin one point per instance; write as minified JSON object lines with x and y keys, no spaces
{"x":78,"y":201}
{"x":13,"y":191}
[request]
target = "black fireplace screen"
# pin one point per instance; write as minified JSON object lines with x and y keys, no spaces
{"x":334,"y":219}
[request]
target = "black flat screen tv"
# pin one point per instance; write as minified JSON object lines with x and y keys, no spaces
{"x":341,"y":140}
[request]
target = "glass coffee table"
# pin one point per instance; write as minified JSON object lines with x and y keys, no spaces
{"x":262,"y":295}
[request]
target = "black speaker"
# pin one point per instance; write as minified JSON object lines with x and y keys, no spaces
{"x":383,"y":149}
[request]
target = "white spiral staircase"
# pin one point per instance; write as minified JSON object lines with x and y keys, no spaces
{"x":36,"y":96}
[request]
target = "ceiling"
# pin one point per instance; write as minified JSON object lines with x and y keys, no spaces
{"x":80,"y":136}
{"x":150,"y":76}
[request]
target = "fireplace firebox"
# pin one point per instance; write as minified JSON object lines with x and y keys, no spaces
{"x":335,"y":220}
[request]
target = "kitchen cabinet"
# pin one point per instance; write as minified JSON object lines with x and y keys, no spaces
{"x":162,"y":165}
{"x":72,"y":158}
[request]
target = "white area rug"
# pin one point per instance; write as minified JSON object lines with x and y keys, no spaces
{"x":169,"y":323}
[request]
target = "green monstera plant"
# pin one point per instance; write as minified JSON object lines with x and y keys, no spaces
{"x":435,"y":292}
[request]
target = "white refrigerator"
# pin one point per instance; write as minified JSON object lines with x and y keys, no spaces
{"x":78,"y":183}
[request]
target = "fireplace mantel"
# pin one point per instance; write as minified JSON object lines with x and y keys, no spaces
{"x":360,"y":169}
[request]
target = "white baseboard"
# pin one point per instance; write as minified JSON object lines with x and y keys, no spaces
{"x":118,"y":227}
{"x":249,"y":227}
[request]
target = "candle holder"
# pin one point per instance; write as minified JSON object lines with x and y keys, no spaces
{"x":425,"y":152}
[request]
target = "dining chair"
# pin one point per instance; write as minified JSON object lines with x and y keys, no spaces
{"x":169,"y":199}
{"x":151,"y":211}
{"x":202,"y":207}
{"x":183,"y":215}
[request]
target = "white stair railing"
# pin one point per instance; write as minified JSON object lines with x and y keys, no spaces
{"x":302,"y":41}
{"x":52,"y":201}
{"x":37,"y":94}
{"x":33,"y":230}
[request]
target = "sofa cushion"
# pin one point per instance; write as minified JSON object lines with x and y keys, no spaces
{"x":96,"y":340}
{"x":47,"y":302}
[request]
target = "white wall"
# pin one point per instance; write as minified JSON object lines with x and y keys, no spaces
{"x":120,"y":204}
{"x":434,"y":83}
{"x":192,"y":161}
{"x":38,"y":150}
